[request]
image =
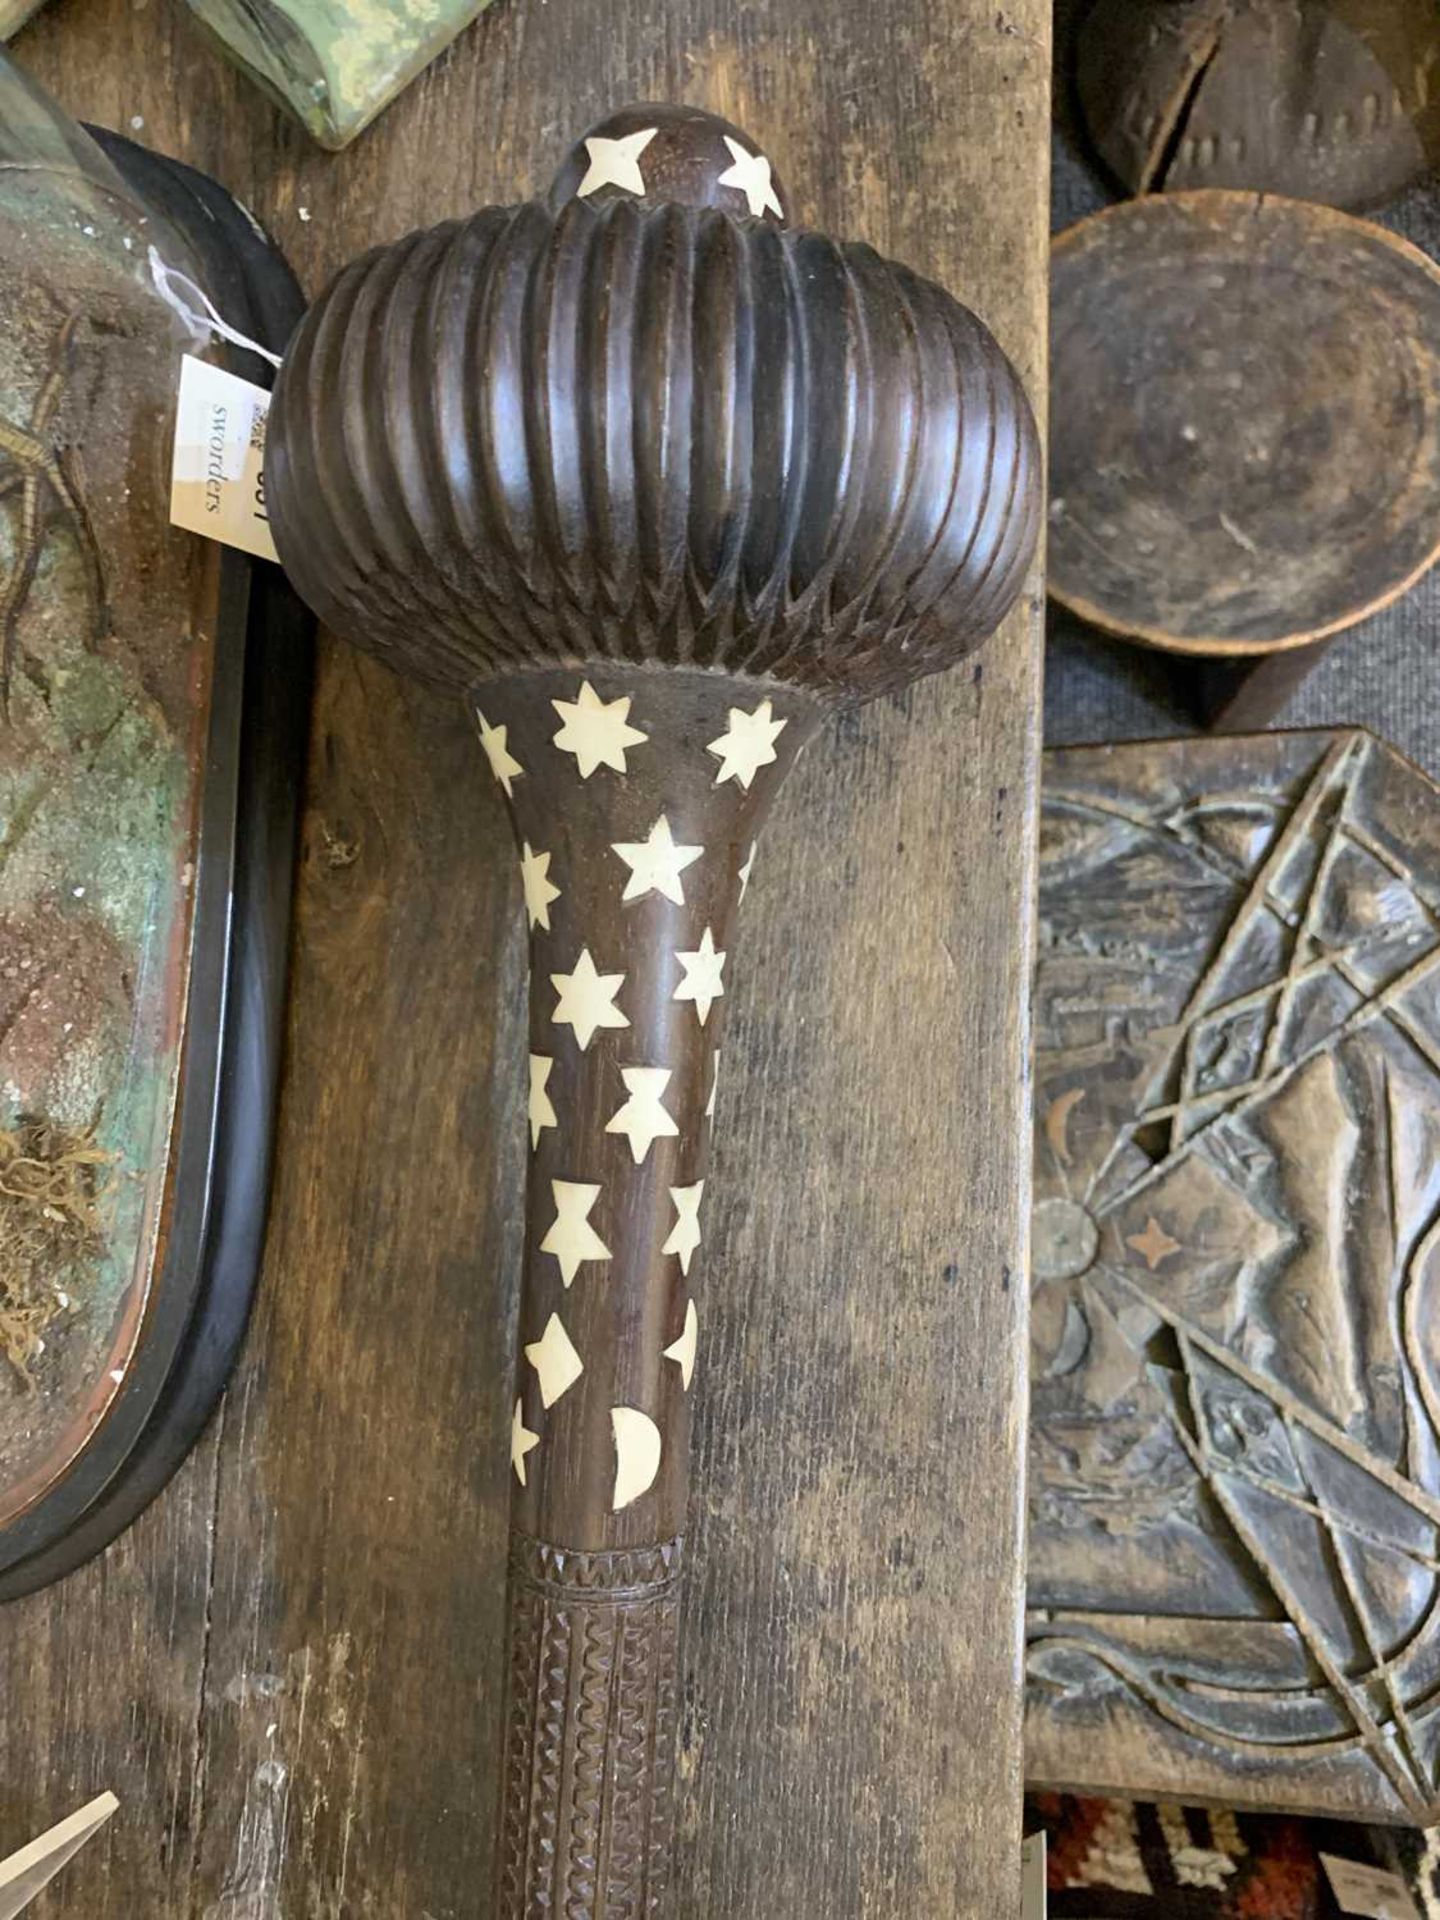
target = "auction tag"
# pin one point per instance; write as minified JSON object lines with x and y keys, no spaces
{"x":1368,"y":1890}
{"x":1035,"y":1903}
{"x":217,"y":480}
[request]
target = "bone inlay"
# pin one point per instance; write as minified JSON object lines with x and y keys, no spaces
{"x":747,"y":744}
{"x":503,"y":763}
{"x":685,"y":1234}
{"x":596,"y":731}
{"x":629,"y":931}
{"x":571,"y":1237}
{"x":539,"y":889}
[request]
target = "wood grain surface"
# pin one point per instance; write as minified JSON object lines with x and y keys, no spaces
{"x":290,"y":1671}
{"x":1234,"y":1488}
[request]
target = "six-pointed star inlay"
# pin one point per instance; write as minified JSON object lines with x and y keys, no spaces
{"x":751,"y":175}
{"x":685,"y":1234}
{"x":542,"y":1108}
{"x":596,"y":731}
{"x":503,"y":763}
{"x":747,"y":744}
{"x":571,"y":1238}
{"x":555,"y":1361}
{"x":522,"y":1441}
{"x":702,"y":982}
{"x":540,"y":890}
{"x":643,"y":1119}
{"x":587,"y":999}
{"x":616,"y":163}
{"x":656,"y":863}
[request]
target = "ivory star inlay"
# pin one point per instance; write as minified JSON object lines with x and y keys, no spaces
{"x":685,"y":1234}
{"x":637,"y":1454}
{"x":615,"y":163}
{"x":745,"y":870}
{"x":540,"y":890}
{"x":682,"y":1351}
{"x":747,"y":744}
{"x":503,"y":763}
{"x":702,"y":982}
{"x":556,"y":1363}
{"x":643,"y":1119}
{"x":656,"y":863}
{"x":570,"y":1236}
{"x":596,"y":731}
{"x":587,"y":999}
{"x":714,"y":1084}
{"x":542,"y":1108}
{"x":522,"y":1441}
{"x":751,"y":174}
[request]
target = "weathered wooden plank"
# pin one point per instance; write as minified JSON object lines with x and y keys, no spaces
{"x":852,"y":1733}
{"x":101,"y":1681}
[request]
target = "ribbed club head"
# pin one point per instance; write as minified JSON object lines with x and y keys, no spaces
{"x":643,"y":420}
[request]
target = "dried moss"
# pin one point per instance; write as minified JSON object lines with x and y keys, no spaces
{"x":52,"y":1180}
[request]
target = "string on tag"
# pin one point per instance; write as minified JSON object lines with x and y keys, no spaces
{"x":192,"y":304}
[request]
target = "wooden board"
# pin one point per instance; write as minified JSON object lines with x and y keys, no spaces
{"x":311,"y":1728}
{"x":1235,"y":1419}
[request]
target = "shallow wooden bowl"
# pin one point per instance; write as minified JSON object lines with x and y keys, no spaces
{"x":1245,"y":421}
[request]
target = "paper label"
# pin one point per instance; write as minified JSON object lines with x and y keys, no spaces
{"x":1034,"y":1901}
{"x":217,"y":480}
{"x":1368,"y":1890}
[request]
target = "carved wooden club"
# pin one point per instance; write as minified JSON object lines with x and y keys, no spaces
{"x":656,"y":483}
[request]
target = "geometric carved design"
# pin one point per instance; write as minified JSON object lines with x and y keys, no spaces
{"x":590,"y":1722}
{"x":1235,"y":1426}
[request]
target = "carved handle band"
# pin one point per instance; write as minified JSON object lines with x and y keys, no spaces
{"x":636,"y":799}
{"x":590,"y":1722}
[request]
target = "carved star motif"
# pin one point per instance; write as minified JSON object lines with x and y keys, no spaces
{"x":685,"y":1234}
{"x":714,"y":1086}
{"x":596,"y":731}
{"x":542,"y":1109}
{"x":745,"y":870}
{"x":656,"y":863}
{"x":682,"y":1351}
{"x":522,"y":1441}
{"x":637,"y":1454}
{"x":643,"y":1119}
{"x":540,"y":890}
{"x":587,"y":999}
{"x":1154,"y":1244}
{"x":747,"y":744}
{"x":751,"y":174}
{"x":615,"y":163}
{"x":555,"y":1361}
{"x":503,"y":763}
{"x":570,"y":1237}
{"x":702,"y":982}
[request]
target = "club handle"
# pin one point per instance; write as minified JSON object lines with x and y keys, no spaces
{"x":592,"y":1698}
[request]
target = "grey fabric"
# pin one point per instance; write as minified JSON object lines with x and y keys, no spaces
{"x":1383,"y":674}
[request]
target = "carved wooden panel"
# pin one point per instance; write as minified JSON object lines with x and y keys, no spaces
{"x":1235,"y":1425}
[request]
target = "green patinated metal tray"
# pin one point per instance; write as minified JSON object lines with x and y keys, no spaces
{"x":152,"y":707}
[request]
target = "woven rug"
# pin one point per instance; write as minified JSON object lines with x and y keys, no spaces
{"x":1119,"y":1860}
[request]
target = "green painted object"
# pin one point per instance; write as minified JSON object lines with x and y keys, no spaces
{"x":334,"y":64}
{"x":14,"y":14}
{"x":151,"y":723}
{"x":106,"y":617}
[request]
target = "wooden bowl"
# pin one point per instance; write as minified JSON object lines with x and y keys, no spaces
{"x":1245,"y":421}
{"x":1331,"y":100}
